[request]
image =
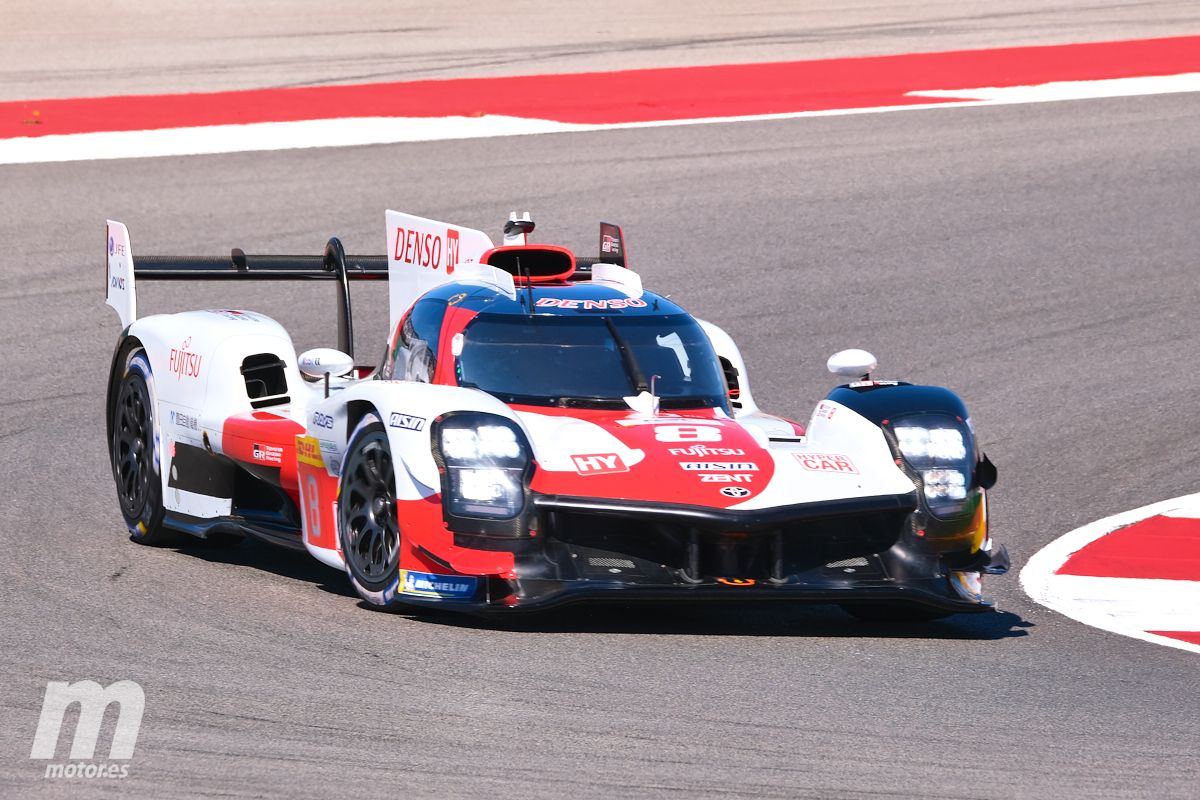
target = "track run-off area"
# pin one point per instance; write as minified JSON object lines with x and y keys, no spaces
{"x":1030,"y":242}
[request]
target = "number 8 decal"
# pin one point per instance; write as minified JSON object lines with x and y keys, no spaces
{"x":687,"y":433}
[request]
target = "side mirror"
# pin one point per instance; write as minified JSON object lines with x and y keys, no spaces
{"x":852,"y":364}
{"x":324,"y":361}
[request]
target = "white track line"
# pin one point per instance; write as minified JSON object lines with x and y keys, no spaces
{"x":256,"y":137}
{"x":1155,"y":604}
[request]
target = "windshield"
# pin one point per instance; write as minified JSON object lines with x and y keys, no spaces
{"x":551,"y":360}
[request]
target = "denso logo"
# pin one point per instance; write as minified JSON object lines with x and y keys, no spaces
{"x":426,"y":249}
{"x":823,"y":462}
{"x":322,"y":420}
{"x":183,"y":362}
{"x":591,"y":305}
{"x":599,"y":464}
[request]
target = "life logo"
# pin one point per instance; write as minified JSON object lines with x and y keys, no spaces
{"x":93,"y":701}
{"x":424,"y":249}
{"x":184,"y":362}
{"x":116,"y":248}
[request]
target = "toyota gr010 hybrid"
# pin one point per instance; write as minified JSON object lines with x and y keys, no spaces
{"x":539,"y":430}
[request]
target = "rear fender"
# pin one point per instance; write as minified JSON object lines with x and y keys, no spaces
{"x":196,"y":358}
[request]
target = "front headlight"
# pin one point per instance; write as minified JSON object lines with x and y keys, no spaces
{"x":485,"y":459}
{"x":940,"y":449}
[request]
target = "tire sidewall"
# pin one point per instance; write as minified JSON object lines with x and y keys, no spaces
{"x":144,"y":526}
{"x":379,"y":593}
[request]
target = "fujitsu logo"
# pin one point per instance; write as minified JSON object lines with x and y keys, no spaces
{"x":185,"y":363}
{"x":700,"y":451}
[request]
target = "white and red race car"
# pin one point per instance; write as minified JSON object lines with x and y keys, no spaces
{"x":540,"y":429}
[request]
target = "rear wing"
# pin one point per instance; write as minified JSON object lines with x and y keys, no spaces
{"x":124,"y":270}
{"x":421,"y":254}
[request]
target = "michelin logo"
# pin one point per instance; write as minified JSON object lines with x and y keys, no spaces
{"x":443,"y":587}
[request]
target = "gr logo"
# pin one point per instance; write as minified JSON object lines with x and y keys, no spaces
{"x":93,"y":700}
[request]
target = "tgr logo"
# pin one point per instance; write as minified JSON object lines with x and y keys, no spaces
{"x":93,"y":700}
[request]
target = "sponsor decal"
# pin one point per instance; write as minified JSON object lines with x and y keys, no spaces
{"x":424,"y":249}
{"x":737,"y":581}
{"x":322,"y":420}
{"x":327,"y":446}
{"x":116,"y":248}
{"x":826,"y":462}
{"x":111,"y":242}
{"x":268,"y":454}
{"x":451,"y":250}
{"x":407,"y":422}
{"x":185,"y":421}
{"x":687,"y":433}
{"x":183,"y":362}
{"x":456,"y":299}
{"x":700,"y":451}
{"x":725,"y":477}
{"x":864,"y":384}
{"x":599,"y":464}
{"x":443,"y":587}
{"x":308,"y":451}
{"x":591,"y":305}
{"x":719,"y":466}
{"x":240,"y":316}
{"x":117,"y":282}
{"x":735,"y":491}
{"x":610,"y":244}
{"x":825,"y":410}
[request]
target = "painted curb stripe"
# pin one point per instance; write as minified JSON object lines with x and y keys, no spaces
{"x":1158,"y":547}
{"x":1162,"y":611}
{"x":606,"y":98}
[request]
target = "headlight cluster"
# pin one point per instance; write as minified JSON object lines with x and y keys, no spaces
{"x":939,"y":448}
{"x":486,"y":459}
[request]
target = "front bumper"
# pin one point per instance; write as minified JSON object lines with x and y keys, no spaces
{"x":854,"y":550}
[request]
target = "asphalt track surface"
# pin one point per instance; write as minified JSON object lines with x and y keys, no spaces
{"x":1039,"y":259}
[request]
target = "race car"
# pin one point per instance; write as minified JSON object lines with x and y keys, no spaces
{"x":540,"y":429}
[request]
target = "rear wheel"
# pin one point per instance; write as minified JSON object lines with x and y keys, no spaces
{"x":367,"y":526}
{"x":133,"y":449}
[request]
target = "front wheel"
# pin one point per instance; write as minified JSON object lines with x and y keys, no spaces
{"x":367,"y":526}
{"x":133,"y":450}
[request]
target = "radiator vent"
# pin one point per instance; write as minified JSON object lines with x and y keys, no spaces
{"x":266,"y":380}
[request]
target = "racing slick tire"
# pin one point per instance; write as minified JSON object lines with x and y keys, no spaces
{"x":896,"y":613}
{"x":368,"y":529}
{"x":134,"y":454}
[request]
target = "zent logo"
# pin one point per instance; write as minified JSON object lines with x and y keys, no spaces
{"x":735,"y":491}
{"x":823,"y":462}
{"x":687,"y":433}
{"x":599,"y":464}
{"x":407,"y":422}
{"x":322,"y":420}
{"x":183,"y":362}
